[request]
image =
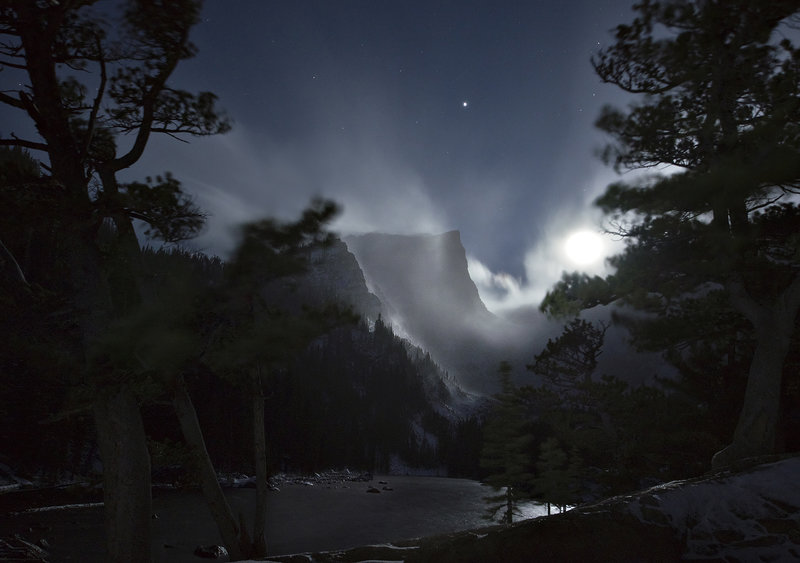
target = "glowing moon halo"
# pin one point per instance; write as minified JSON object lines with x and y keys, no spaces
{"x":584,"y":247}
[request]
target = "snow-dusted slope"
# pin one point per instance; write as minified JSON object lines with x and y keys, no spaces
{"x":748,"y":516}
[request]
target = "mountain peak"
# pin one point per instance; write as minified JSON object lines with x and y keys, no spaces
{"x":428,"y":296}
{"x":422,"y":271}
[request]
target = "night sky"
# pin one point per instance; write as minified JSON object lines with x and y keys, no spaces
{"x":416,"y":116}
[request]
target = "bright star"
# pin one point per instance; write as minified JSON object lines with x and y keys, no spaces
{"x":464,"y":104}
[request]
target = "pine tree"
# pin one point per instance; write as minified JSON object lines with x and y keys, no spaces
{"x":557,"y":475}
{"x":254,"y":337}
{"x":716,"y":88}
{"x":507,"y":454}
{"x":122,"y":87}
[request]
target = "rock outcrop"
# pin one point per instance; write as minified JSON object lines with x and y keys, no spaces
{"x":336,"y":273}
{"x":333,"y":276}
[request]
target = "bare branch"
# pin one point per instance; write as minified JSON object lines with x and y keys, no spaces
{"x":766,"y":203}
{"x":69,"y":64}
{"x":15,"y":142}
{"x":97,"y":100}
{"x":148,"y":108}
{"x":28,"y":105}
{"x":170,"y":134}
{"x":13,"y":65}
{"x":11,"y":49}
{"x":790,"y":189}
{"x":11,"y":101}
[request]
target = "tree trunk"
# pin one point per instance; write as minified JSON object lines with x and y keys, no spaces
{"x":262,"y":487}
{"x":756,"y":429}
{"x":234,"y":536}
{"x":118,"y":420}
{"x":124,"y":265}
{"x":126,"y":475}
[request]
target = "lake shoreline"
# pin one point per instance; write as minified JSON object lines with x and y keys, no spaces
{"x":306,"y":514}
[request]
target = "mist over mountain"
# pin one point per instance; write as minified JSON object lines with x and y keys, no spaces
{"x":335,"y":276}
{"x":420,"y":279}
{"x":420,"y":285}
{"x":429,"y":298}
{"x":423,"y":284}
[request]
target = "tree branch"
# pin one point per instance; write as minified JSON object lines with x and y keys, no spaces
{"x":28,"y":105}
{"x":99,"y":98}
{"x":169,"y":133}
{"x":11,"y":101}
{"x":33,"y":145}
{"x":766,"y":203}
{"x":148,"y":107}
{"x":13,"y":65}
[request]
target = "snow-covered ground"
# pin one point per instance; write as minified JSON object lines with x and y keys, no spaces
{"x":748,"y":516}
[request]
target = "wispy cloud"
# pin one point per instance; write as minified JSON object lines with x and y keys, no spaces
{"x":247,"y":175}
{"x":546,"y":260}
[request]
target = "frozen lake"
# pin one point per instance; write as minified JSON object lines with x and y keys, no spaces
{"x":300,"y":518}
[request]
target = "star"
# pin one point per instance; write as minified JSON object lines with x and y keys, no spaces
{"x":465,"y":104}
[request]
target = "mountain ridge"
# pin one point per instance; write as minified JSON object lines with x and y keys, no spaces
{"x":427,"y":294}
{"x":423,"y":282}
{"x":439,"y":258}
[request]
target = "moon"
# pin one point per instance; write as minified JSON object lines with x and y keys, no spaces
{"x":584,"y":247}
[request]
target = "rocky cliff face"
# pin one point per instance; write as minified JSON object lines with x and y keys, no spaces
{"x":333,"y":276}
{"x":428,"y":296}
{"x":334,"y":272}
{"x":422,"y":278}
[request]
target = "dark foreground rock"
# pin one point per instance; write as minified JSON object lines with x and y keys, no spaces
{"x":19,"y":550}
{"x":744,"y":514}
{"x":211,"y":551}
{"x":556,"y":538}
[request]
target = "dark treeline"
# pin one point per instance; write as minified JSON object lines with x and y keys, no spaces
{"x":357,"y":396}
{"x":111,"y":352}
{"x":88,"y":330}
{"x":709,"y":275}
{"x":579,"y":435}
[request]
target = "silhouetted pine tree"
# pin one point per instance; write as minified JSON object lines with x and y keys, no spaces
{"x":508,"y":447}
